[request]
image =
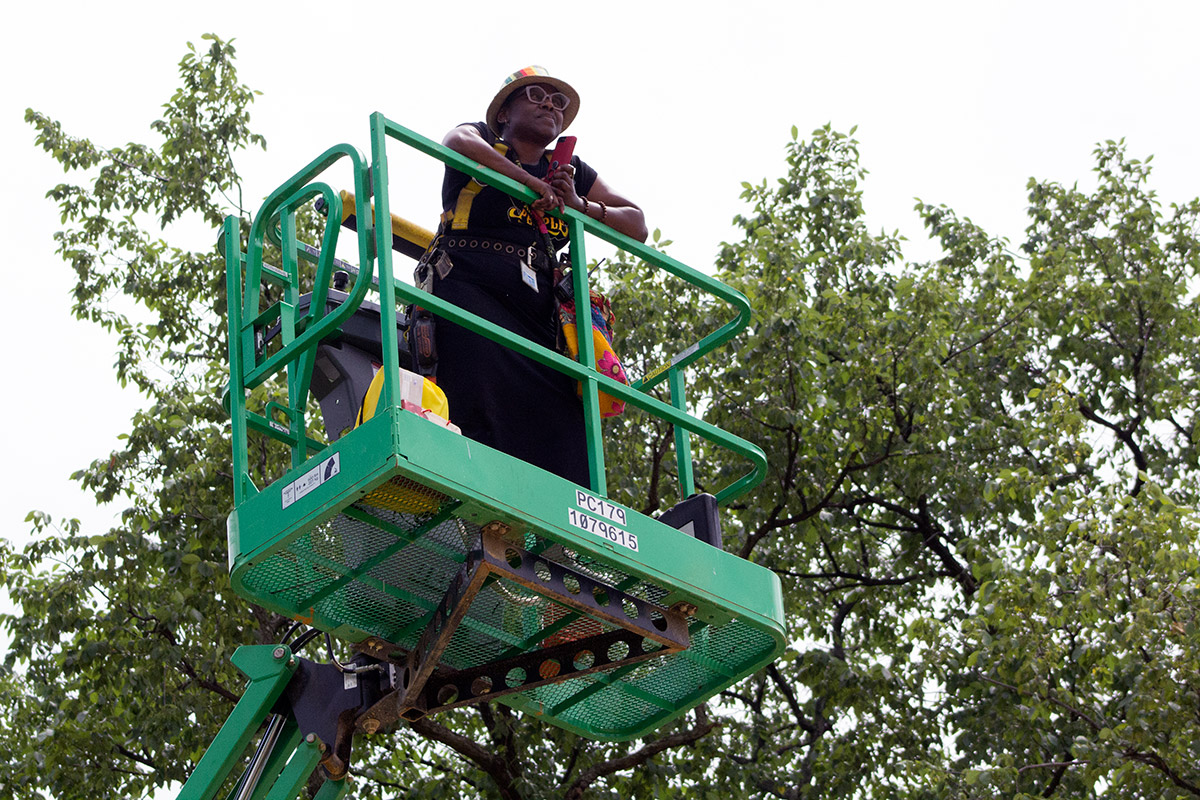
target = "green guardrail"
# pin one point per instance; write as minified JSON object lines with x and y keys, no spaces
{"x":300,"y":335}
{"x":363,"y":537}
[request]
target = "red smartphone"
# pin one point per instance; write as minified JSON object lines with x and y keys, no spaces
{"x":562,"y":154}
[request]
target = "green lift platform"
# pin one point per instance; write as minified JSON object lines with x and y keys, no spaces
{"x":457,"y":573}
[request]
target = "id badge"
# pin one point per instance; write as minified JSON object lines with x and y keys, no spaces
{"x":528,"y":273}
{"x":529,"y":276}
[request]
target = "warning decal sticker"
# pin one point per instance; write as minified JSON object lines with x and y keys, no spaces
{"x":312,"y":479}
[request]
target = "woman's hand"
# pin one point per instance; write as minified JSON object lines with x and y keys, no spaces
{"x":549,"y":197}
{"x":563,"y":183}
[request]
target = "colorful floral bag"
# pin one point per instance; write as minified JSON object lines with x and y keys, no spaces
{"x":607,"y":361}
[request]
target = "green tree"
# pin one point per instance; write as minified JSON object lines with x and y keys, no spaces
{"x":122,"y":640}
{"x":970,"y":462}
{"x":981,"y":478}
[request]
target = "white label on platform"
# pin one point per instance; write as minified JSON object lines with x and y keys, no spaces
{"x":601,"y":528}
{"x":312,"y":479}
{"x":598,"y":505}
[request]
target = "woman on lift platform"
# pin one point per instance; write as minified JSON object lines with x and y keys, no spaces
{"x":501,"y":268}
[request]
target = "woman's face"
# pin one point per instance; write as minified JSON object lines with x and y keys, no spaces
{"x":521,"y":117}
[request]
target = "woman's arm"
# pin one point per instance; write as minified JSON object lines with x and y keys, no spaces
{"x":465,"y":139}
{"x":602,"y":203}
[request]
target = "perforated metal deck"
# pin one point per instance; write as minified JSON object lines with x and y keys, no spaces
{"x":370,"y":553}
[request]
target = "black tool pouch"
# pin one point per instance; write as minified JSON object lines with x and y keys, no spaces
{"x":422,"y":344}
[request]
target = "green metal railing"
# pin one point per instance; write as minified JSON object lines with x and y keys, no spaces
{"x":368,"y":537}
{"x":300,"y":334}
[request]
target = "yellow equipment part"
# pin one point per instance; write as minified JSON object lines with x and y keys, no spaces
{"x":414,"y":390}
{"x":400,"y":494}
{"x":407,"y":237}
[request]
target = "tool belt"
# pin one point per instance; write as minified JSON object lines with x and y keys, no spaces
{"x":541,"y":261}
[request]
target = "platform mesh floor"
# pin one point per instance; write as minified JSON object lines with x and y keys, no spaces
{"x":611,"y":704}
{"x":385,"y":576}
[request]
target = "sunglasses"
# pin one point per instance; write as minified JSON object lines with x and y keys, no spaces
{"x":537,"y":95}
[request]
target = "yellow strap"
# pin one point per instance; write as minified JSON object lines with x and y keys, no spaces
{"x":462,"y":205}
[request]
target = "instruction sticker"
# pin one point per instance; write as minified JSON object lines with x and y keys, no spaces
{"x":601,"y":527}
{"x":312,"y":479}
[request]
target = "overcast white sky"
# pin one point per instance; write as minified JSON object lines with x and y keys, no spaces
{"x":956,"y":103}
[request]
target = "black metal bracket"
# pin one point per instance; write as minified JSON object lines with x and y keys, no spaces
{"x":639,"y":630}
{"x":326,"y":700}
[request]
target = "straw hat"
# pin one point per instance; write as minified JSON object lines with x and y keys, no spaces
{"x":524,"y":77}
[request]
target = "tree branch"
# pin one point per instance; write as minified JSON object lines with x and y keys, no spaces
{"x":1159,"y":763}
{"x":635,"y":759}
{"x":138,"y":757}
{"x":494,"y":765}
{"x":1124,"y":436}
{"x":859,"y":579}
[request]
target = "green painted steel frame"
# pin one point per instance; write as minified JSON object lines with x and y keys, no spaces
{"x":486,"y":485}
{"x":491,"y":486}
{"x":301,"y":335}
{"x":269,"y":668}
